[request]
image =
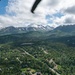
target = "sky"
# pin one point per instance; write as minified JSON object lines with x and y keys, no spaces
{"x":49,"y":12}
{"x":3,"y":4}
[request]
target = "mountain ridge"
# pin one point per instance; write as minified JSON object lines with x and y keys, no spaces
{"x":29,"y":28}
{"x":64,"y":30}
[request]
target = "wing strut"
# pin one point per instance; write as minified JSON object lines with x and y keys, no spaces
{"x":35,"y":5}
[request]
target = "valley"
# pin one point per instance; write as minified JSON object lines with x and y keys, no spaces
{"x":37,"y":52}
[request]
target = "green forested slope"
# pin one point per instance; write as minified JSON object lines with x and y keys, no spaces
{"x":18,"y":53}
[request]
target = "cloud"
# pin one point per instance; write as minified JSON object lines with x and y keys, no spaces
{"x":69,"y":19}
{"x":70,"y":10}
{"x":18,"y":13}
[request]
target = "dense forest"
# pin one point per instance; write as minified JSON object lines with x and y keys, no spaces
{"x":22,"y":54}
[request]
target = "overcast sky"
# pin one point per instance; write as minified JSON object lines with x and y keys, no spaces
{"x":49,"y":12}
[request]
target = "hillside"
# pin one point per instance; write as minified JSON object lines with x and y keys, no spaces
{"x":65,"y":30}
{"x":28,"y":54}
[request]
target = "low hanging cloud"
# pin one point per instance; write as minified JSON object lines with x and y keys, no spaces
{"x":18,"y":13}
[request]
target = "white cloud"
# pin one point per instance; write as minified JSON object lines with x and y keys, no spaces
{"x":18,"y":12}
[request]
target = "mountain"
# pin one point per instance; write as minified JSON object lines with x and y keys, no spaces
{"x":29,"y":28}
{"x":37,"y":52}
{"x":65,"y":30}
{"x":40,"y":30}
{"x":25,"y":55}
{"x":8,"y":30}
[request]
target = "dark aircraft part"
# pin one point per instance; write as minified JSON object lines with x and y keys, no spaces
{"x":35,"y":5}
